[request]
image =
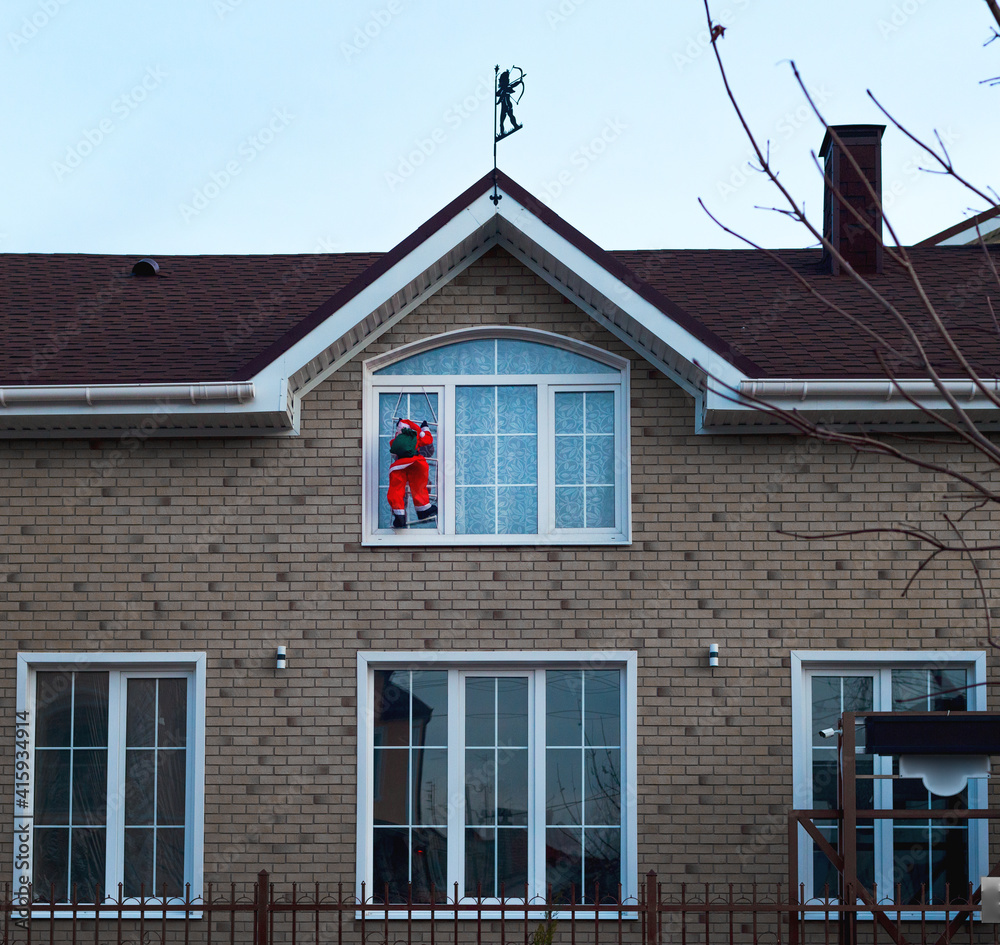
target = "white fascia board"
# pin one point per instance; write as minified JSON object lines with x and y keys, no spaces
{"x":69,"y":400}
{"x":417,"y":261}
{"x":852,"y":397}
{"x":628,"y":300}
{"x":969,"y":235}
{"x":459,"y":228}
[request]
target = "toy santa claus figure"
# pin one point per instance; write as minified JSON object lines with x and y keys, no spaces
{"x":411,"y":444}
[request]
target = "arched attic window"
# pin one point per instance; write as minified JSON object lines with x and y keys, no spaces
{"x":530,"y":437}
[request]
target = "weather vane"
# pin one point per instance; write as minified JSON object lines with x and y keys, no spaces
{"x":502,"y":110}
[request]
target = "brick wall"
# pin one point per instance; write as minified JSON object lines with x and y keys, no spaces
{"x":234,"y":547}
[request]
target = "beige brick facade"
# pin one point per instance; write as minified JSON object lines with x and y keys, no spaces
{"x":236,"y":546}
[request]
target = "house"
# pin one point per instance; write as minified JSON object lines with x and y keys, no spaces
{"x":518,"y":690}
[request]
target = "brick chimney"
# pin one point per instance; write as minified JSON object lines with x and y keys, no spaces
{"x":840,"y":226}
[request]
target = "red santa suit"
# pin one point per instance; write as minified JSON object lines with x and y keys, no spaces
{"x":409,"y":468}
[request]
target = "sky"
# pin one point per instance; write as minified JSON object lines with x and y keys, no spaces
{"x":296,"y":126}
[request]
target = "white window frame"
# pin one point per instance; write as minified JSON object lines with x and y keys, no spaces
{"x":496,"y":663}
{"x":132,"y":665}
{"x":805,"y":662}
{"x":546,"y":386}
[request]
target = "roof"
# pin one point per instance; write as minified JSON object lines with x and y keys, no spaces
{"x":985,"y":225}
{"x":279,"y":325}
{"x":763,"y":312}
{"x":83,"y":319}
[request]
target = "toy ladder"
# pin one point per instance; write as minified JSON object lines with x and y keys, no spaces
{"x":431,"y":460}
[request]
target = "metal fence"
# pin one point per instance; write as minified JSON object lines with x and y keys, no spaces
{"x":268,"y":913}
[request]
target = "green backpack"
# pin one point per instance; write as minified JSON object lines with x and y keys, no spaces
{"x":404,"y":443}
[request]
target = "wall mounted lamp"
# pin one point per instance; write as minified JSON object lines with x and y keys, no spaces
{"x":713,"y":654}
{"x":282,"y":661}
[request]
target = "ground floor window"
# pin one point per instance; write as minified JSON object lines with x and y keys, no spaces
{"x":910,"y":858}
{"x":107,"y":786}
{"x":501,"y":773}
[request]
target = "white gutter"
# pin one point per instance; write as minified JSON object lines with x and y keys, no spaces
{"x":126,"y":394}
{"x":875,"y":391}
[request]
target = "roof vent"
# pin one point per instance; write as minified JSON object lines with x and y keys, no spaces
{"x":145,"y":267}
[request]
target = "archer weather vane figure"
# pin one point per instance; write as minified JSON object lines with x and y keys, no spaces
{"x":505,"y":89}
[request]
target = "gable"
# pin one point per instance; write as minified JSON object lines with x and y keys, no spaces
{"x":218,"y":345}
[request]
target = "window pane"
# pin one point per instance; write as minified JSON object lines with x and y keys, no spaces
{"x":87,"y":861}
{"x":563,"y":786}
{"x":600,"y":412}
{"x":90,"y":710}
{"x":54,"y":710}
{"x":140,"y":785}
{"x":391,"y":785}
{"x":52,"y":781}
{"x":517,"y":510}
{"x":602,"y":865}
{"x":600,"y":460}
{"x":497,"y":356}
{"x":172,"y":714}
{"x":929,"y":690}
{"x":475,"y":460}
{"x":569,"y":413}
{"x":480,"y":710}
{"x":585,"y":459}
{"x":512,"y":787}
{"x":90,"y":786}
{"x":603,"y":783}
{"x":480,"y":787}
{"x":50,"y":852}
{"x":430,"y":708}
{"x":600,"y":507}
{"x":517,"y":461}
{"x":430,"y":785}
{"x":602,"y":718}
{"x":430,"y":864}
{"x":512,"y":707}
{"x":564,"y":862}
{"x":512,"y":861}
{"x":171,"y":784}
{"x":391,"y":861}
{"x":140,"y":728}
{"x":475,"y":409}
{"x":475,"y":510}
{"x":569,"y":506}
{"x":569,"y":460}
{"x":392,"y":707}
{"x":517,"y":410}
{"x":480,"y":862}
{"x":465,"y":357}
{"x":139,"y":848}
{"x":563,"y":707}
{"x":169,"y":862}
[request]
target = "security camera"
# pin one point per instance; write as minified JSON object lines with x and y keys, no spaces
{"x":827,"y":732}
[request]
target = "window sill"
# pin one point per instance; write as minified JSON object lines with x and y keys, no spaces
{"x":418,"y":536}
{"x":490,"y":913}
{"x":111,"y":913}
